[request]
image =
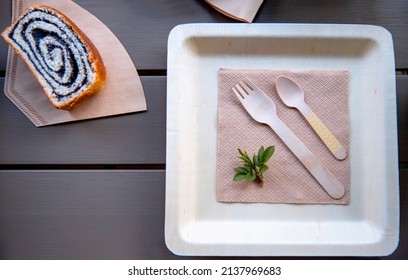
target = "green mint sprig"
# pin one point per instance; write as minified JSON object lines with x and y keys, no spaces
{"x":252,"y":169}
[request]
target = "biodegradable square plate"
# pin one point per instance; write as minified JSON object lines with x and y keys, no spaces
{"x":196,"y":224}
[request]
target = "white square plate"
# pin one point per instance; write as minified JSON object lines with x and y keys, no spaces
{"x":196,"y":224}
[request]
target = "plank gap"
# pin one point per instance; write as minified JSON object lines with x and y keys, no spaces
{"x":82,"y":166}
{"x":401,"y":71}
{"x":141,"y":72}
{"x":152,"y":72}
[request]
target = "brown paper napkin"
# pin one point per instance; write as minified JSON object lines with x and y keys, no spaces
{"x":243,"y":10}
{"x":122,"y":93}
{"x":286,"y":181}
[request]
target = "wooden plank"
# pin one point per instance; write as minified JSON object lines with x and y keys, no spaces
{"x":402,"y":250}
{"x":82,"y":215}
{"x":138,"y":138}
{"x":402,"y":90}
{"x":5,"y":18}
{"x":99,"y":215}
{"x":132,"y":139}
{"x":143,"y":26}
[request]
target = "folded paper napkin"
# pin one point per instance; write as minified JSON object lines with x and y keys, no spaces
{"x":287,"y":180}
{"x":122,"y":92}
{"x":243,"y":10}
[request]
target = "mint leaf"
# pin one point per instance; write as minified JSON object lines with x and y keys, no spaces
{"x":268,"y":154}
{"x":260,"y":153}
{"x":253,"y":168}
{"x":239,"y":176}
{"x":250,"y":177}
{"x":263,"y":168}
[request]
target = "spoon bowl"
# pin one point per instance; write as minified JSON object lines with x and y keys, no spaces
{"x":290,"y":92}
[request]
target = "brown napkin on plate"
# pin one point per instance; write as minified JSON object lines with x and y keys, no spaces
{"x":243,"y":10}
{"x":286,"y":181}
{"x":122,"y":93}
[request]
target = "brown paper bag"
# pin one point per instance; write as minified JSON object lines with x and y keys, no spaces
{"x":243,"y":10}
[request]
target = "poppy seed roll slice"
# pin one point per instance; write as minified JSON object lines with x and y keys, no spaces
{"x":60,"y":56}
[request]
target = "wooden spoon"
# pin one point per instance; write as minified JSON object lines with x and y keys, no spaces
{"x":293,"y":96}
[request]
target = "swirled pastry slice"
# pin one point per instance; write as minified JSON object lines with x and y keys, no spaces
{"x":58,"y":53}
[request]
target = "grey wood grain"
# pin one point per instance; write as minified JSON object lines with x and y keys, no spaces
{"x":402,"y":250}
{"x":5,"y":18}
{"x":138,"y":138}
{"x":143,"y":26}
{"x":402,"y":89}
{"x":98,"y":215}
{"x":132,"y":139}
{"x":82,"y":215}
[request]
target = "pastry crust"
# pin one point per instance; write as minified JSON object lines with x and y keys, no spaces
{"x":93,"y":57}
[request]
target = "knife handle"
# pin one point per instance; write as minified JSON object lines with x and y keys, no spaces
{"x":325,"y":178}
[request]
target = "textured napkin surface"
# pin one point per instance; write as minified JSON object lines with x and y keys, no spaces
{"x":122,"y":93}
{"x":287,"y":180}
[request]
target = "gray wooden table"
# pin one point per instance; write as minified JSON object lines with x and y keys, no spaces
{"x":105,"y":199}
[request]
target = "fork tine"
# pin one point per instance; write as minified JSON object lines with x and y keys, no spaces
{"x":238,"y":95}
{"x":241,"y":90}
{"x":251,"y":84}
{"x":246,"y":88}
